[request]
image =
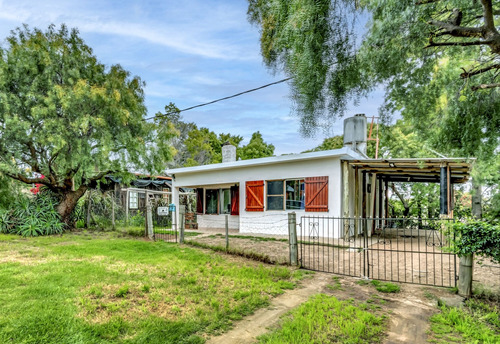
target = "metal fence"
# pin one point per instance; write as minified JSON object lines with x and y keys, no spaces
{"x":401,"y":250}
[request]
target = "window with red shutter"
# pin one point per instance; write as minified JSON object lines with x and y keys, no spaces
{"x":317,"y":194}
{"x":254,"y":195}
{"x":235,"y":200}
{"x":199,"y":201}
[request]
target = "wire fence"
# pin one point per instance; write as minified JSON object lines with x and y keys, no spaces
{"x":218,"y":233}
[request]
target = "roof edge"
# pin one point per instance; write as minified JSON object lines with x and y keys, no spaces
{"x":343,"y":153}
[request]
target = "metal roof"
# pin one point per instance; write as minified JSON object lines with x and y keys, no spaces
{"x":416,"y":170}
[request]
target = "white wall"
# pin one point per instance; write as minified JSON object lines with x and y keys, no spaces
{"x":218,"y":221}
{"x":272,"y":221}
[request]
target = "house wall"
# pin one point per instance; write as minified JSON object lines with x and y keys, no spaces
{"x":267,"y":221}
{"x":218,"y":221}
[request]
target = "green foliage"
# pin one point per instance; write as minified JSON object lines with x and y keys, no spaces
{"x":9,"y":190}
{"x":256,"y":148}
{"x":476,"y":322}
{"x":70,"y":118}
{"x":475,"y":237}
{"x":32,"y":216}
{"x":329,"y":143}
{"x":386,"y":287}
{"x":122,"y":291}
{"x":324,"y":319}
{"x":138,"y":220}
{"x":313,"y":41}
{"x":200,"y":146}
{"x":433,"y":89}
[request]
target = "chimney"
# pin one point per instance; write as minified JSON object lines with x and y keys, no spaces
{"x":228,"y":152}
{"x":355,"y":133}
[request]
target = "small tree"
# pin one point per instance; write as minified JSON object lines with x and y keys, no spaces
{"x":256,"y":148}
{"x":67,"y":117}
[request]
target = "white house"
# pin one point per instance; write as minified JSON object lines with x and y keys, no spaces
{"x":258,"y":194}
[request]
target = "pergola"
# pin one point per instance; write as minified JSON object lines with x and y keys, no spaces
{"x":445,"y":171}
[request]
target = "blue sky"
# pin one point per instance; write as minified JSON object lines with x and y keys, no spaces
{"x":187,"y":52}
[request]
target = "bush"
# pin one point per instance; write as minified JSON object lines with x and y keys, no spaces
{"x":32,"y":216}
{"x":138,"y":220}
{"x":475,"y":237}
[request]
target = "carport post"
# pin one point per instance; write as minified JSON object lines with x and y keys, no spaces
{"x":292,"y":231}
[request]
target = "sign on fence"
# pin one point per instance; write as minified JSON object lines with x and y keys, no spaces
{"x":162,"y":211}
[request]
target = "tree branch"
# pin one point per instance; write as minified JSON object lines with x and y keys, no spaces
{"x":463,"y":44}
{"x":457,"y":31}
{"x":27,"y":180}
{"x":484,"y":86}
{"x":99,"y":175}
{"x":424,"y":2}
{"x":489,"y":21}
{"x":466,"y":74}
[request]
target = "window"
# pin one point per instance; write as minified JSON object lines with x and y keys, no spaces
{"x":133,"y":200}
{"x":211,"y":201}
{"x":285,"y":194}
{"x":225,"y":201}
{"x":275,"y":195}
{"x":295,"y":194}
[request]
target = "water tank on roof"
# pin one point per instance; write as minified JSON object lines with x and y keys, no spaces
{"x":355,"y":133}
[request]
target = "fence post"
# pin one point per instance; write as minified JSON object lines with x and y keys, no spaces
{"x":227,"y":232}
{"x":149,"y":221}
{"x":113,"y":216}
{"x":465,"y":275}
{"x":292,"y":232}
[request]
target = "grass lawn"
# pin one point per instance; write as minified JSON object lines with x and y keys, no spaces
{"x":478,"y":321}
{"x":324,"y":319}
{"x":89,"y":287}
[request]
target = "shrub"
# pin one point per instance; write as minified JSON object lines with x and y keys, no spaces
{"x":32,"y":216}
{"x":138,"y":220}
{"x":475,"y":237}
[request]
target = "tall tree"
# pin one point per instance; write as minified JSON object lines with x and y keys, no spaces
{"x":439,"y":61}
{"x":66,"y":116}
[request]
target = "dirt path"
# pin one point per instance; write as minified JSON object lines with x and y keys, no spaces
{"x":248,"y":329}
{"x":408,"y":311}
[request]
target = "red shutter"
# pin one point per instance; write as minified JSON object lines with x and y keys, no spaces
{"x":199,"y":201}
{"x":255,"y":195}
{"x":317,"y":194}
{"x":235,"y":200}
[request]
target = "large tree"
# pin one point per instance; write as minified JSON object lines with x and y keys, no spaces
{"x":68,"y":117}
{"x":314,"y":41}
{"x":438,"y":60}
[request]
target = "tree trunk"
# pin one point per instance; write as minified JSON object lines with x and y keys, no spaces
{"x":477,"y":210}
{"x":68,"y":202}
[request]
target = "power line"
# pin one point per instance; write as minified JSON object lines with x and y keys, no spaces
{"x":218,"y":100}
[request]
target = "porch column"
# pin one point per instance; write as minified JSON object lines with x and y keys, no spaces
{"x":443,"y":195}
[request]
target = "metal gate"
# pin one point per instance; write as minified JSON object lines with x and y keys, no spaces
{"x":399,"y":250}
{"x":163,"y":226}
